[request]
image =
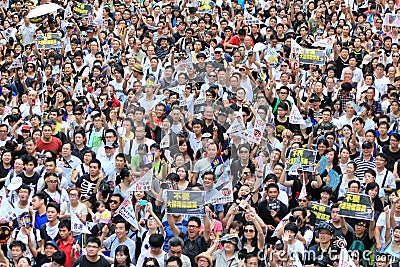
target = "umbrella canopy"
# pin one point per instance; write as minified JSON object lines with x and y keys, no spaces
{"x":43,"y":10}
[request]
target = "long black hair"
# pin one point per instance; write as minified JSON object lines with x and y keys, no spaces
{"x":125,"y":250}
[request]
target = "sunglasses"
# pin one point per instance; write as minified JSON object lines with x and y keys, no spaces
{"x":249,"y":230}
{"x":114,"y":202}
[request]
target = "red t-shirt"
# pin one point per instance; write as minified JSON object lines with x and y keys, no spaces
{"x":54,"y":145}
{"x":67,"y":248}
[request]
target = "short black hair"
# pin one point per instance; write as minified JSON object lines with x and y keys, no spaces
{"x":65,"y":223}
{"x":172,"y":259}
{"x":95,"y":240}
{"x":156,"y":240}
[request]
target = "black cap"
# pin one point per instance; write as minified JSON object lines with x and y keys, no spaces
{"x":366,"y":144}
{"x":183,"y":133}
{"x":326,"y":226}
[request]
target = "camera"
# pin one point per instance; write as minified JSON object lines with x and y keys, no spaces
{"x":294,"y":219}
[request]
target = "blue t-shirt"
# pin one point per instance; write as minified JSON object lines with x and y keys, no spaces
{"x":182,"y":226}
{"x":40,"y":220}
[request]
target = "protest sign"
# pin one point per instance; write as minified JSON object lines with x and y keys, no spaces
{"x":185,"y":202}
{"x":307,"y":123}
{"x":82,"y":10}
{"x":295,"y":117}
{"x":295,"y":47}
{"x":17,"y":63}
{"x":165,"y":141}
{"x":49,"y":40}
{"x":77,"y":225}
{"x":391,"y":20}
{"x":255,"y":134}
{"x":272,"y":56}
{"x":237,"y":124}
{"x":358,"y":109}
{"x":7,"y":211}
{"x":205,"y":6}
{"x":142,"y":184}
{"x":323,"y":162}
{"x":334,"y":179}
{"x":4,"y":4}
{"x":216,"y":162}
{"x":305,"y":156}
{"x":322,"y":212}
{"x":148,"y":158}
{"x":249,"y":19}
{"x":127,"y":212}
{"x":326,"y":42}
{"x":312,"y":56}
{"x":292,"y":170}
{"x":222,"y":192}
{"x":357,"y":206}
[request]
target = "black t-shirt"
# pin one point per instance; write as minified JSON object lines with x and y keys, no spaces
{"x":83,"y":262}
{"x":340,"y":65}
{"x":41,"y":259}
{"x":392,"y":157}
{"x":86,"y":184}
{"x":265,"y":215}
{"x":192,"y":248}
{"x":32,"y":181}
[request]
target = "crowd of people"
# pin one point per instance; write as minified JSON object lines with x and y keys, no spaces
{"x":212,"y":96}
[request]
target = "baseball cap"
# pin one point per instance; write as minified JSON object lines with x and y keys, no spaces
{"x":219,"y":49}
{"x":183,"y":133}
{"x":366,"y":144}
{"x":51,"y":243}
{"x":326,"y":226}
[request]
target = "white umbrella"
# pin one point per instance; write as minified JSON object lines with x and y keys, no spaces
{"x":43,"y":10}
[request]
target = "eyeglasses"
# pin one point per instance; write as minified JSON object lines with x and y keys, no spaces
{"x":247,"y":173}
{"x":90,"y":246}
{"x":69,"y":105}
{"x":283,"y":93}
{"x":114,"y":202}
{"x":395,"y":55}
{"x":29,"y":67}
{"x":73,"y":195}
{"x":361,"y":225}
{"x":243,"y":151}
{"x":149,"y":265}
{"x":78,"y":114}
{"x":249,"y":230}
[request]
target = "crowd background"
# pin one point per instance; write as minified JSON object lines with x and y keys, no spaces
{"x":183,"y":89}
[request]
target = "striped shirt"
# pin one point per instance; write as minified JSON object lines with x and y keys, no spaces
{"x":362,"y":166}
{"x":161,"y":53}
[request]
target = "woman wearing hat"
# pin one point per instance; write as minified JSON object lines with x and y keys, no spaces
{"x":204,"y":260}
{"x":228,"y":256}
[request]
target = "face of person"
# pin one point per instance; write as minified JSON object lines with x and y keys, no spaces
{"x":120,"y":231}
